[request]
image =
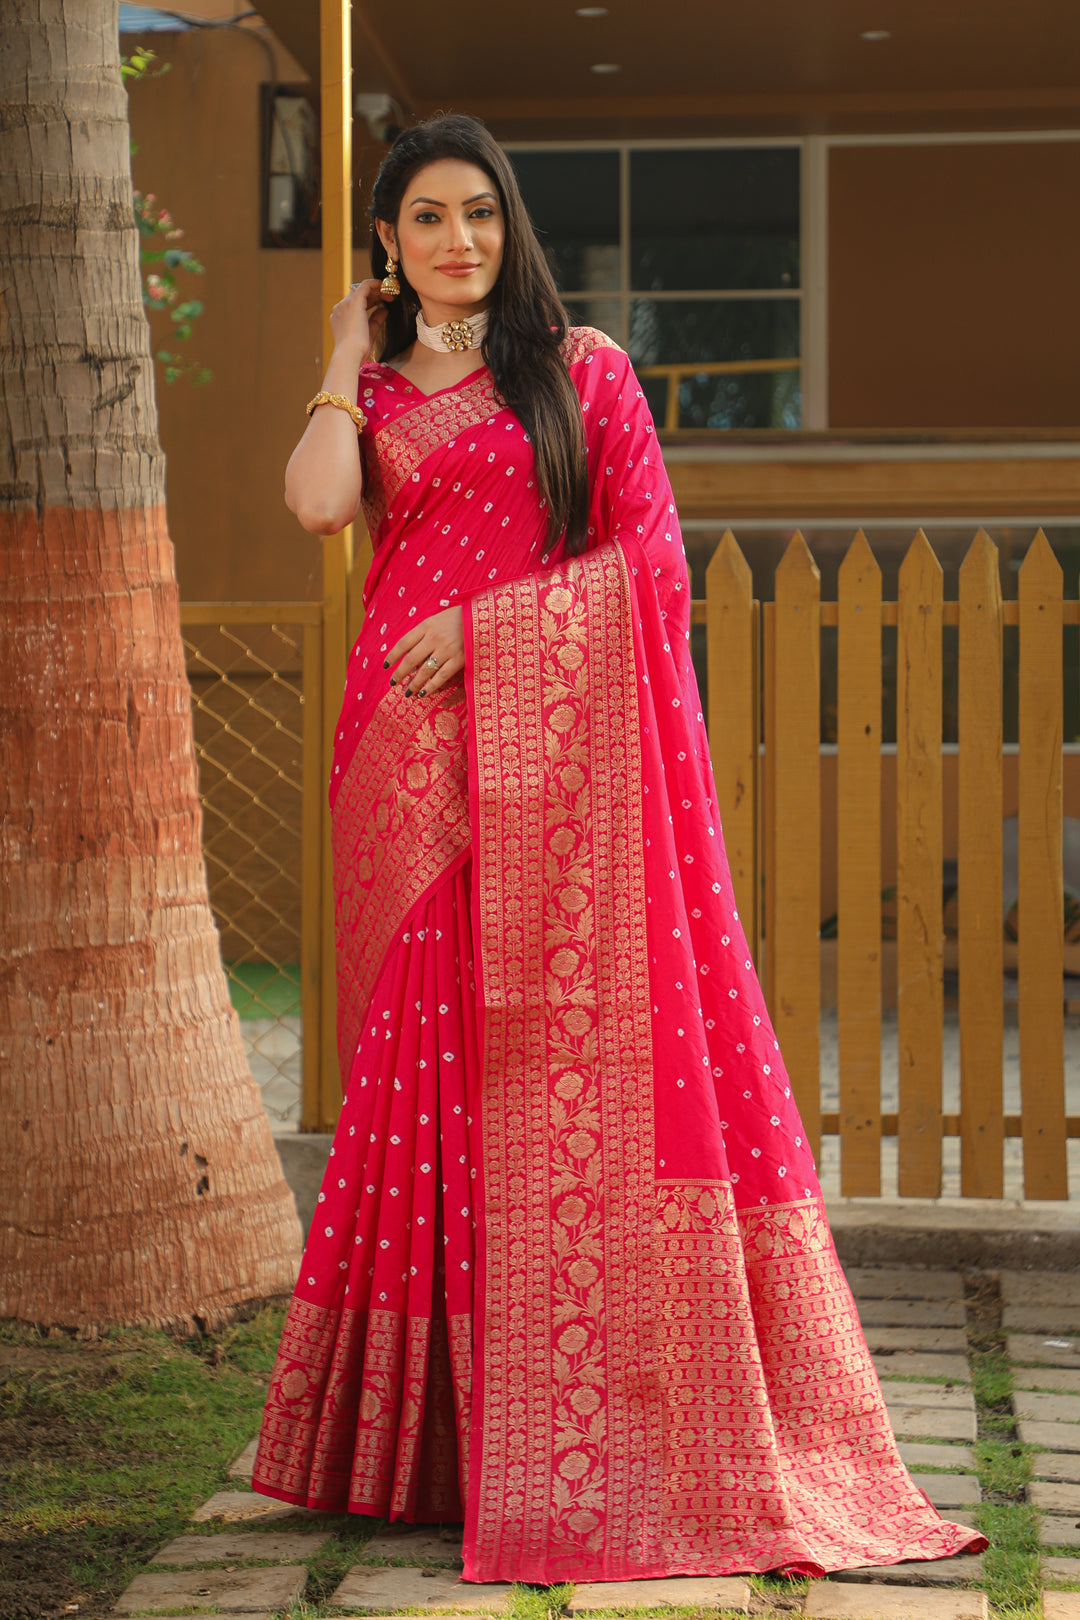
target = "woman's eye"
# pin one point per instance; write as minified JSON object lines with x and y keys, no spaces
{"x":426,"y":217}
{"x":483,"y":213}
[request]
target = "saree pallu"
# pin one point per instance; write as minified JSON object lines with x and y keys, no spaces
{"x":571,"y":1275}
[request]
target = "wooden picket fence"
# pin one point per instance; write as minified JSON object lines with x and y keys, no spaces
{"x":770,"y":803}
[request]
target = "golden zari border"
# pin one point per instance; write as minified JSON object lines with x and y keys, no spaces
{"x":400,"y":821}
{"x":572,"y":1446}
{"x":778,"y":1446}
{"x":405,"y":441}
{"x":583,"y":340}
{"x":362,"y":1413}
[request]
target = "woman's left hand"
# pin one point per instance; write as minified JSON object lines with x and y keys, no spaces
{"x":428,"y":657}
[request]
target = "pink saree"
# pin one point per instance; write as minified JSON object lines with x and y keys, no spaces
{"x":570,"y":1276}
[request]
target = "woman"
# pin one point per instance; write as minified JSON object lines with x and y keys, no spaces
{"x":570,"y":1276}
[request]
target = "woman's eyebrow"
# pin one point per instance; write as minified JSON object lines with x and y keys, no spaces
{"x":480,"y":195}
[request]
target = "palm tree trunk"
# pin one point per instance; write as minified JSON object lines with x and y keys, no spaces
{"x":138,"y":1176}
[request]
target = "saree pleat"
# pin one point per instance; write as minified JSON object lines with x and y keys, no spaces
{"x":369,"y":1403}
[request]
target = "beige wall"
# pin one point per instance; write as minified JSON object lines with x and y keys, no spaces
{"x":197,"y":136}
{"x":952,"y":304}
{"x":952,"y":285}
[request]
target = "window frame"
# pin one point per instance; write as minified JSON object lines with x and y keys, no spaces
{"x":811,"y":294}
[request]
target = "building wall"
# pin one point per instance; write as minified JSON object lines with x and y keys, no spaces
{"x":952,"y":285}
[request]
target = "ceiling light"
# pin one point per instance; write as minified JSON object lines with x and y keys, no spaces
{"x":606,"y":67}
{"x":876,"y":33}
{"x":591,"y":11}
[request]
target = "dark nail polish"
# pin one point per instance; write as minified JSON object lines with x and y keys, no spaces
{"x":422,"y":691}
{"x":386,"y":663}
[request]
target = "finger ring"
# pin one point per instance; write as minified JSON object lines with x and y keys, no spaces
{"x":433,"y":662}
{"x":353,"y":285}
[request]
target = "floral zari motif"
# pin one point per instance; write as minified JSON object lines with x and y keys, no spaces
{"x":564,"y":1424}
{"x":400,"y":824}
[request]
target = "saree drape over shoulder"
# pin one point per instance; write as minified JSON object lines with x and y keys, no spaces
{"x":570,"y":1276}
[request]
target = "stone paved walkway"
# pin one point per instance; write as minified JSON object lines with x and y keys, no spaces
{"x":249,"y":1555}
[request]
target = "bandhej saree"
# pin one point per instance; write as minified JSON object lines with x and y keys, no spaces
{"x":570,"y":1277}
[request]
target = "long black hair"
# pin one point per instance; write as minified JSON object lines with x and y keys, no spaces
{"x":528,"y":319}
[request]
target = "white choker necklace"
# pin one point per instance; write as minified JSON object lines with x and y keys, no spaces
{"x":452,"y":336}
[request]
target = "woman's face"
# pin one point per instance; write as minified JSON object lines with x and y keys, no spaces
{"x":449,"y":238}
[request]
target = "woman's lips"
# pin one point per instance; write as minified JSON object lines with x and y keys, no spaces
{"x":458,"y":269}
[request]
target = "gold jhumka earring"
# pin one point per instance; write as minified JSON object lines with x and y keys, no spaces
{"x":391,"y":286}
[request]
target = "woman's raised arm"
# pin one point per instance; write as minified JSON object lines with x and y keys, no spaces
{"x":324,"y":479}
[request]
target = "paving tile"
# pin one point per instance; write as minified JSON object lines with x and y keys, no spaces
{"x":731,"y":1592}
{"x":904,"y":1282}
{"x":915,"y":1455}
{"x":1061,"y":1606}
{"x":1061,"y":1466}
{"x":938,"y":1341}
{"x":1040,"y":1288}
{"x":920,"y":1364}
{"x":842,"y":1599}
{"x":1047,"y":1378}
{"x":279,"y":1547}
{"x":245,"y":1506}
{"x":242,"y":1467}
{"x":249,"y":1614}
{"x":934,"y":1423}
{"x":1060,"y":1569}
{"x":416,"y":1547}
{"x":1051,"y":1319}
{"x":958,"y":1399}
{"x":911,"y":1313}
{"x":410,"y":1589}
{"x":1043,"y":1350}
{"x":1053,"y":1497}
{"x":949,"y":1490}
{"x":215,"y":1591}
{"x":1047,"y":1408}
{"x":928,"y":1572}
{"x":1050,"y":1436}
{"x":962,"y":1516}
{"x":1059,"y":1530}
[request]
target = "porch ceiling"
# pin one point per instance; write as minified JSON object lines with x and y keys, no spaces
{"x":754,"y":65}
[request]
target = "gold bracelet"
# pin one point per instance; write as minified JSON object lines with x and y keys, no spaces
{"x":343,"y":404}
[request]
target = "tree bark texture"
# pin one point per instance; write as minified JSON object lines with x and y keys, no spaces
{"x":138,"y":1176}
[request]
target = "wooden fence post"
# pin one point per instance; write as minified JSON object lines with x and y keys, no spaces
{"x":795,"y":909}
{"x":979,"y":873}
{"x":920,"y":930}
{"x":733,"y":737}
{"x":1040,"y":909}
{"x":858,"y":735}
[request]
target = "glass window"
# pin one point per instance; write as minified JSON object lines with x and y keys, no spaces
{"x":573,"y":200}
{"x":738,"y":343}
{"x":714,"y":217}
{"x":699,"y":280}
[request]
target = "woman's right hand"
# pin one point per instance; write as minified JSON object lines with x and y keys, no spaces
{"x":356,"y":321}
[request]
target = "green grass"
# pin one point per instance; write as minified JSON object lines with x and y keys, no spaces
{"x":1011,"y":1562}
{"x":265,"y":989}
{"x":108,"y":1448}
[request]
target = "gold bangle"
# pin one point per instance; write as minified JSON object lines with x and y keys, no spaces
{"x":343,"y":404}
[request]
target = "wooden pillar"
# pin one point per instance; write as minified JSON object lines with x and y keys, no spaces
{"x":336,"y":88}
